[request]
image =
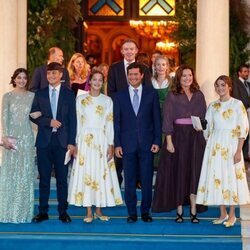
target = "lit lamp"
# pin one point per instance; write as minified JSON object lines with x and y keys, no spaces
{"x":157,"y":30}
{"x":165,"y":46}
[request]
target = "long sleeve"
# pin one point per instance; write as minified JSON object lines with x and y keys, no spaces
{"x":80,"y":117}
{"x":117,"y":121}
{"x":243,"y":121}
{"x":5,"y":115}
{"x":111,"y":86}
{"x":210,"y":125}
{"x":168,"y":114}
{"x":42,"y":120}
{"x":109,"y":125}
{"x":72,"y":119}
{"x":157,"y":120}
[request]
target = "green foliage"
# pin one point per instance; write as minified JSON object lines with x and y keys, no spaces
{"x":185,"y":36}
{"x":51,"y":23}
{"x":239,"y":38}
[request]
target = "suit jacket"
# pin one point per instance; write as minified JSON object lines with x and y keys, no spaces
{"x":117,"y":79}
{"x":39,"y":79}
{"x":240,"y":92}
{"x":141,"y":131}
{"x":66,"y":114}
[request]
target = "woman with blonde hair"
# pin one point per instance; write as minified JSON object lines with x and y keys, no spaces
{"x":78,"y":69}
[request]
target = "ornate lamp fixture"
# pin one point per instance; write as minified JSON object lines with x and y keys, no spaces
{"x":158,"y":30}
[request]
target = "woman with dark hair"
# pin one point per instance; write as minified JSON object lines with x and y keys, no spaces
{"x":223,"y":178}
{"x":182,"y":152}
{"x":17,"y":168}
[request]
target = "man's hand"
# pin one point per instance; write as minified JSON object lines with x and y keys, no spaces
{"x":118,"y":152}
{"x":71,"y":148}
{"x":55,"y":123}
{"x":155,"y":148}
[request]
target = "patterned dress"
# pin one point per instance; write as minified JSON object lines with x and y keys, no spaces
{"x":17,"y":171}
{"x":222,"y":182}
{"x":93,"y":179}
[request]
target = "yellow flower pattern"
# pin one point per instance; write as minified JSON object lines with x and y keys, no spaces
{"x":79,"y":198}
{"x":221,"y":181}
{"x":81,"y":159}
{"x":224,"y":153}
{"x":89,"y":139}
{"x":217,"y":106}
{"x":226,"y":194}
{"x":236,"y":132}
{"x":118,"y":201}
{"x":111,"y":165}
{"x":227,"y":114}
{"x":217,"y":183}
{"x":95,"y":185}
{"x":239,"y":174}
{"x":93,"y":179}
{"x":99,"y":110}
{"x":110,"y":117}
{"x":87,"y":101}
{"x":202,"y":189}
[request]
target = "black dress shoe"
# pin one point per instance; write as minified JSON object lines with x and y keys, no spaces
{"x":132,"y":218}
{"x":146,"y":217}
{"x":40,"y":217}
{"x":65,"y":218}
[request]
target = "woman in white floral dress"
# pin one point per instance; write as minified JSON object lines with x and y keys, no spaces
{"x":223,"y":179}
{"x":93,"y":180}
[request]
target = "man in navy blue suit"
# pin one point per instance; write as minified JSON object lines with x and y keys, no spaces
{"x":117,"y":80}
{"x":55,"y":109}
{"x":39,"y":79}
{"x":137,"y":126}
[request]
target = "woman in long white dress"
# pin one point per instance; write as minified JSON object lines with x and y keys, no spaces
{"x":223,"y":179}
{"x":93,"y":180}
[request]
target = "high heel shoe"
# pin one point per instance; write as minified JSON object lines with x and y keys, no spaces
{"x":101,"y":217}
{"x":230,"y":224}
{"x":220,"y":221}
{"x":193,"y":218}
{"x":179,"y":218}
{"x":88,"y":219}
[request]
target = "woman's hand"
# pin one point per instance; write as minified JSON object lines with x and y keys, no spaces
{"x":237,"y":157}
{"x":110,"y":152}
{"x":170,"y":145}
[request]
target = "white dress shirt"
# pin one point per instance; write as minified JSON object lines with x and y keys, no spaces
{"x":131,"y":93}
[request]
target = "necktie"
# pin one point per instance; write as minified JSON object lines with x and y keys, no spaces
{"x":247,"y":87}
{"x":136,"y":101}
{"x":53,"y":103}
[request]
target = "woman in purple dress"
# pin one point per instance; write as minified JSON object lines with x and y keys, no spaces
{"x":182,"y":152}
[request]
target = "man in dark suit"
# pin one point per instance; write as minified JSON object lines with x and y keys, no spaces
{"x":39,"y":79}
{"x":241,"y":91}
{"x":117,"y":80}
{"x":55,"y":111}
{"x":137,"y":126}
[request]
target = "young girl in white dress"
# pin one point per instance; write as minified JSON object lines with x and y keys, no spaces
{"x":223,"y":178}
{"x":93,"y":180}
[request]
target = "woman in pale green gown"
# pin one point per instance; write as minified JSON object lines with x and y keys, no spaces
{"x":17,"y":167}
{"x":161,"y":81}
